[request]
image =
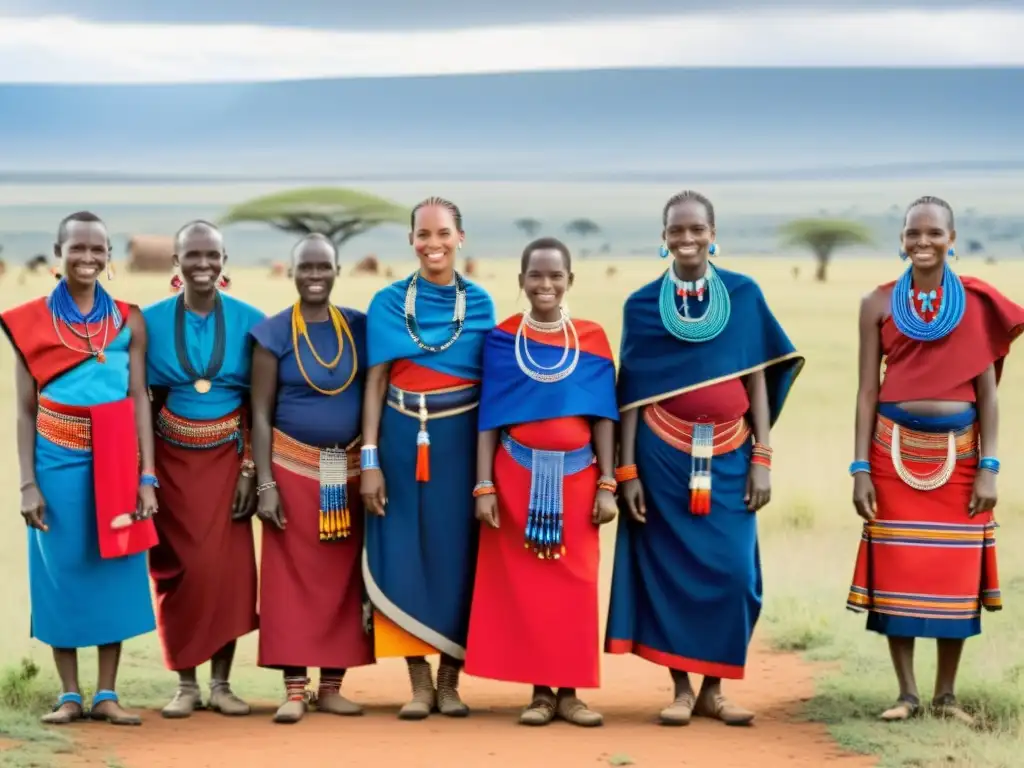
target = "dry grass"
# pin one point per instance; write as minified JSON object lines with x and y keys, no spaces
{"x":809,"y":531}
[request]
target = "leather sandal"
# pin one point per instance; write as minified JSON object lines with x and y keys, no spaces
{"x":946,"y":706}
{"x":906,"y":707}
{"x":68,"y":709}
{"x":679,"y":711}
{"x":116,"y":718}
{"x":541,"y":710}
{"x":716,"y":707}
{"x":574,"y":711}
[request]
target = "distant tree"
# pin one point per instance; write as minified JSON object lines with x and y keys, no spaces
{"x":338,"y":213}
{"x":583,"y":229}
{"x":823,"y":236}
{"x":529,"y":227}
{"x":975,"y":246}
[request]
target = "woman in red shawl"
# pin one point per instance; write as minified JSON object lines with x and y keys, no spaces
{"x":926,"y":446}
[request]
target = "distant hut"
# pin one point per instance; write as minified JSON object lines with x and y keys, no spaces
{"x":151,"y":253}
{"x":368,"y":265}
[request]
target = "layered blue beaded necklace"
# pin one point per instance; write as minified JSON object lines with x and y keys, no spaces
{"x":64,"y":310}
{"x":695,"y":329}
{"x":950,"y":312}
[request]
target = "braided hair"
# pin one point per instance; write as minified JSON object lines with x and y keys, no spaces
{"x":930,"y":200}
{"x":684,"y":196}
{"x":448,"y":205}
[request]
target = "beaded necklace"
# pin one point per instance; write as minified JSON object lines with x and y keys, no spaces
{"x":695,"y":329}
{"x":563,"y":324}
{"x":64,"y":311}
{"x":909,"y":322}
{"x":201,"y":382}
{"x":341,"y":330}
{"x":458,"y":315}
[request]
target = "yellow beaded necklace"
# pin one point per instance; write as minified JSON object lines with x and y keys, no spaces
{"x":340,"y":327}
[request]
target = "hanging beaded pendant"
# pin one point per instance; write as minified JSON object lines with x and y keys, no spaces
{"x":458,"y":315}
{"x":695,"y":329}
{"x":540,"y":373}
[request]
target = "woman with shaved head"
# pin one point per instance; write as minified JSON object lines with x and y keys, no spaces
{"x":204,"y":568}
{"x":308,"y":372}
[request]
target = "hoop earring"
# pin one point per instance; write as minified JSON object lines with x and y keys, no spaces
{"x":712,"y":250}
{"x":663,"y":251}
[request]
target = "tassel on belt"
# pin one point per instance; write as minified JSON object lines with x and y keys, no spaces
{"x":544,"y":524}
{"x":431,"y":405}
{"x":200,"y":434}
{"x":66,"y":426}
{"x":331,"y":468}
{"x":702,"y":441}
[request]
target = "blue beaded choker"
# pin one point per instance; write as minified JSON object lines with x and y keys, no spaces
{"x":62,"y":307}
{"x":950,"y":313}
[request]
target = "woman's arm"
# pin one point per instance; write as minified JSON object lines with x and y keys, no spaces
{"x":604,"y":446}
{"x":27,"y":403}
{"x":374,"y":394}
{"x":627,"y":439}
{"x":869,"y":361}
{"x":987,"y":397}
{"x":757,"y":392}
{"x":139,"y":391}
{"x":486,"y":445}
{"x":263,"y":398}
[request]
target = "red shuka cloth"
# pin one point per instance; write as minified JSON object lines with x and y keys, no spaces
{"x":535,"y":621}
{"x":311,"y":591}
{"x":204,"y":568}
{"x":946,"y":369}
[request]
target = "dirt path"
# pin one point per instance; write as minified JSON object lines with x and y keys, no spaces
{"x":633,"y":691}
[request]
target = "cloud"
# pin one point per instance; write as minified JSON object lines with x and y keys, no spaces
{"x":68,"y":50}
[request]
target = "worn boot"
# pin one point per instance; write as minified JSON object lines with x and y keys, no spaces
{"x":296,"y":701}
{"x":224,"y":701}
{"x":423,"y":695}
{"x":448,"y":701}
{"x":330,"y":700}
{"x":186,"y":701}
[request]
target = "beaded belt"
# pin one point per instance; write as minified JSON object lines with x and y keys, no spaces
{"x":332,"y":468}
{"x":64,"y":426}
{"x":200,"y":435}
{"x":700,"y":440}
{"x":937,"y":448}
{"x":431,"y":405}
{"x":547,"y":472}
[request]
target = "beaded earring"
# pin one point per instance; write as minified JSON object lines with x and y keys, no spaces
{"x":663,"y":251}
{"x":224,"y":282}
{"x":903,"y":255}
{"x":712,"y":250}
{"x":110,"y":271}
{"x":952,"y":252}
{"x":176,"y":283}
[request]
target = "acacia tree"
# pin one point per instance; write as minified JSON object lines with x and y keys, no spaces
{"x":529,"y":227}
{"x":823,"y":236}
{"x":335,"y":212}
{"x":583,"y":229}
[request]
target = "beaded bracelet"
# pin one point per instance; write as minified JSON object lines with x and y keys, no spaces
{"x":762,"y":454}
{"x":608,"y":484}
{"x":858,"y":467}
{"x":148,"y":478}
{"x":368,"y":458}
{"x":262,"y":487}
{"x":626,"y":473}
{"x":248,"y":468}
{"x":989,"y":464}
{"x":484,"y":488}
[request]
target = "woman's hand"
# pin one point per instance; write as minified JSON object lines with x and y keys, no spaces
{"x":633,"y":494}
{"x":373,"y":491}
{"x":33,"y":507}
{"x":487,"y":509}
{"x":245,"y":496}
{"x":268,"y":507}
{"x":864,"y":496}
{"x":605,"y":507}
{"x":983,"y":497}
{"x":759,"y":487}
{"x":147,"y":506}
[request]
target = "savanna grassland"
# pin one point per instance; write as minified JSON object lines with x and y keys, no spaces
{"x":809,"y":531}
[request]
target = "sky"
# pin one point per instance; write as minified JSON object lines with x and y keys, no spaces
{"x":584,"y":88}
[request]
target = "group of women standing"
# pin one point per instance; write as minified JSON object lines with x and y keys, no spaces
{"x":432,"y":481}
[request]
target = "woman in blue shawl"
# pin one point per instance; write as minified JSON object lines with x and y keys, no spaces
{"x":705,"y":369}
{"x":425,"y":337}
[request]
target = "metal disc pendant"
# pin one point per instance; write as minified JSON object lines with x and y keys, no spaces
{"x":202,"y":386}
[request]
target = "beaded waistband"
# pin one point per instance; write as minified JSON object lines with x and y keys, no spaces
{"x":200,"y":435}
{"x":332,"y":468}
{"x":433,"y":405}
{"x":66,"y":426}
{"x":569,"y":462}
{"x":681,"y":435}
{"x":942,"y":450}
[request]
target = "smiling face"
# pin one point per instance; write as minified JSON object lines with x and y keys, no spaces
{"x":688,"y":233}
{"x":315,"y":269}
{"x":435,"y":237}
{"x":927,"y":235}
{"x":199,"y":253}
{"x":545,"y":280}
{"x":84,"y":252}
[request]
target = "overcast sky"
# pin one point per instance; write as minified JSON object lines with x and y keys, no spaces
{"x":83,"y":41}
